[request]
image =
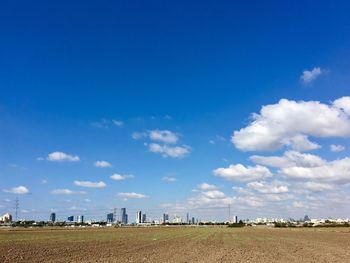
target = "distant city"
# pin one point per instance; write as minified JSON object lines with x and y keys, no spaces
{"x":141,"y":219}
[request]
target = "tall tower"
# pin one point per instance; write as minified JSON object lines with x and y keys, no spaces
{"x":115,"y":215}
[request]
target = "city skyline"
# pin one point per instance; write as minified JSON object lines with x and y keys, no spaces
{"x":175,"y":110}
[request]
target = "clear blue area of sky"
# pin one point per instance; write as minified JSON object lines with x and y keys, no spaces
{"x":207,"y":64}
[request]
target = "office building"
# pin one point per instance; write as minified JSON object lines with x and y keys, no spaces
{"x":144,"y":218}
{"x":187,"y":218}
{"x":139,"y":217}
{"x":53,"y":217}
{"x":80,"y":219}
{"x":165,"y":218}
{"x":123,"y":216}
{"x":70,"y":218}
{"x":110,"y":218}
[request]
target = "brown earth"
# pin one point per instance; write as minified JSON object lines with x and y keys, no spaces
{"x":200,"y":244}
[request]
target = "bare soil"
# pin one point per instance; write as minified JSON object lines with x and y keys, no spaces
{"x":175,"y":244}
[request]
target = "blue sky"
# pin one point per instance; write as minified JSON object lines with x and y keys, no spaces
{"x":158,"y":91}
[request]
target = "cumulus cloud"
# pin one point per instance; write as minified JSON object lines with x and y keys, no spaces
{"x":289,"y":123}
{"x":61,"y":157}
{"x":336,"y":148}
{"x":121,"y":177}
{"x":206,"y":186}
{"x":337,"y":171}
{"x":290,"y":158}
{"x":20,"y":190}
{"x":310,"y":75}
{"x":242,"y":173}
{"x":169,"y":151}
{"x":164,"y":136}
{"x":268,"y":188}
{"x":90,"y":184}
{"x":132,"y":195}
{"x":169,"y":179}
{"x":66,"y":192}
{"x":102,"y":164}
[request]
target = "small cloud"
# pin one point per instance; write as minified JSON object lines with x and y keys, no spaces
{"x":102,"y":164}
{"x":168,"y":117}
{"x":90,"y":184}
{"x":103,"y":124}
{"x":169,"y":179}
{"x":132,"y":195}
{"x":60,"y":157}
{"x":164,"y":136}
{"x":121,"y":177}
{"x":310,"y":75}
{"x":169,"y":151}
{"x":20,"y":190}
{"x":118,"y":123}
{"x":212,"y":142}
{"x":44,"y":181}
{"x":66,"y":192}
{"x":87,"y":200}
{"x":337,"y":148}
{"x":206,"y":186}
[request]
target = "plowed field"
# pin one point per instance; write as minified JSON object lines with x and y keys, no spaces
{"x":173,"y":244}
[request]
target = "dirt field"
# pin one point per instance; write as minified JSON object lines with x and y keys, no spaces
{"x":176,"y":245}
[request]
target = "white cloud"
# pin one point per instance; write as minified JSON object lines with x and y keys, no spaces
{"x":138,"y":135}
{"x":90,"y":184}
{"x":289,"y":123}
{"x":66,"y":192}
{"x":62,"y":157}
{"x":310,"y":75}
{"x":164,"y":136}
{"x":20,"y":190}
{"x":121,"y":177}
{"x":290,"y":158}
{"x":337,"y":171}
{"x":343,"y":104}
{"x":170,"y":151}
{"x":337,"y":148}
{"x":317,"y":187}
{"x":118,"y":123}
{"x":273,"y":188}
{"x":103,"y":124}
{"x":132,"y":195}
{"x":239,"y":172}
{"x":102,"y":164}
{"x":169,"y":179}
{"x":206,"y":186}
{"x":75,"y":208}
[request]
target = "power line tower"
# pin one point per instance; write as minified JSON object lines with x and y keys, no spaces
{"x":17,"y":207}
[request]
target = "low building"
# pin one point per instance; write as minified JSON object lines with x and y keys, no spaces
{"x":6,"y":218}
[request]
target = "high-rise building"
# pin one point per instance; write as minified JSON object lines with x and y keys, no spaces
{"x":70,"y":218}
{"x":165,"y":218}
{"x":123,"y":216}
{"x":53,"y":217}
{"x":144,"y":218}
{"x":110,"y":218}
{"x":139,"y":217}
{"x":80,"y":219}
{"x":187,"y":218}
{"x":6,"y":218}
{"x":235,"y":219}
{"x":193,"y":221}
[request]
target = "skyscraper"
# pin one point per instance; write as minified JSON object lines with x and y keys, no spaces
{"x":70,"y":219}
{"x":123,"y":216}
{"x":165,"y":218}
{"x":144,"y":218}
{"x":53,"y":217}
{"x":187,"y":218}
{"x":110,"y":218}
{"x":80,"y":219}
{"x":139,"y":217}
{"x":235,"y":219}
